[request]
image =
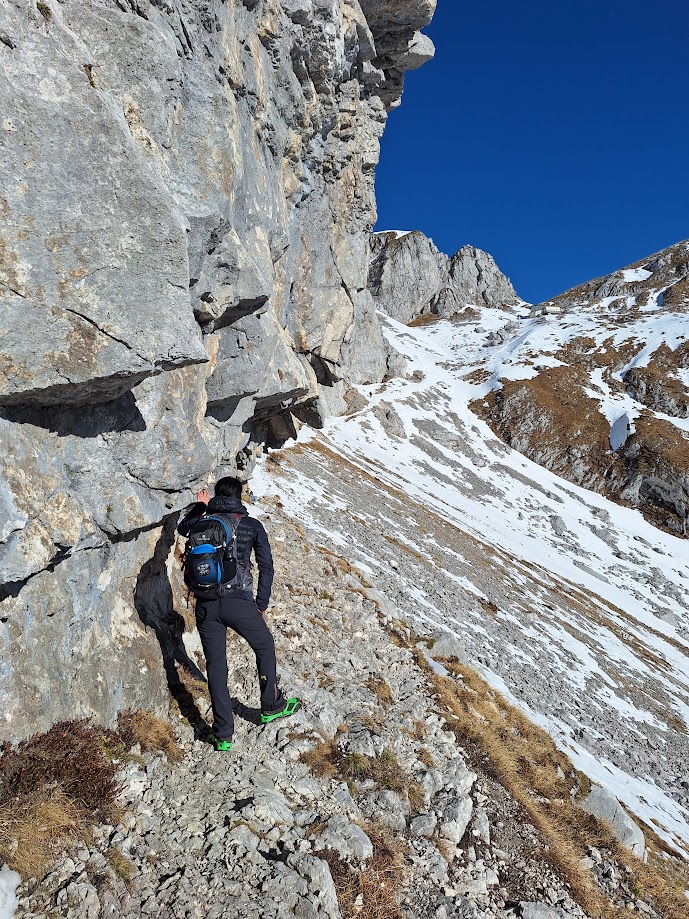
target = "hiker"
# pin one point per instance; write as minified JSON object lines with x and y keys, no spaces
{"x":220,"y":537}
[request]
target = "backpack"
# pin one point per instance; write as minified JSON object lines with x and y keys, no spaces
{"x":210,"y":558}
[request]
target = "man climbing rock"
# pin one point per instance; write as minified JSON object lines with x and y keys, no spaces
{"x":220,"y":538}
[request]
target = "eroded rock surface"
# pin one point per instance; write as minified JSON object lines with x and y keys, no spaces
{"x":183,"y":273}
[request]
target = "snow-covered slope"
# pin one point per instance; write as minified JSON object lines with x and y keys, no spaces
{"x":573,"y":606}
{"x":599,"y":391}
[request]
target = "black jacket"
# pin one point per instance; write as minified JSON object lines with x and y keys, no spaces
{"x":251,"y":534}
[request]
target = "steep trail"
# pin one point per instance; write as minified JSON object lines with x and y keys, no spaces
{"x":363,"y":804}
{"x":572,"y":606}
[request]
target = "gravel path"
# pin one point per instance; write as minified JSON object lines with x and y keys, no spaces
{"x":258,"y":833}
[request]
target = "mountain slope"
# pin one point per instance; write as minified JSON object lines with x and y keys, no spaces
{"x":571,"y":605}
{"x":598,"y":391}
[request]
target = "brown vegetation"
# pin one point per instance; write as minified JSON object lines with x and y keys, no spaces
{"x":525,"y":761}
{"x":553,"y":420}
{"x":119,"y":863}
{"x":151,"y":733}
{"x":372,"y":893}
{"x":423,"y":319}
{"x":53,"y":786}
{"x":657,"y":384}
{"x":380,"y":688}
{"x":676,"y":297}
{"x":661,"y":443}
{"x":327,"y":759}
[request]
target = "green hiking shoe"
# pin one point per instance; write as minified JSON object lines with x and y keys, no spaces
{"x":222,"y":746}
{"x":290,"y":707}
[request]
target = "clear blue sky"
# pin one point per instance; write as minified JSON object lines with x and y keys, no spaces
{"x":552,"y":133}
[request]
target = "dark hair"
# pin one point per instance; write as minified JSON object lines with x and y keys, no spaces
{"x":228,"y":488}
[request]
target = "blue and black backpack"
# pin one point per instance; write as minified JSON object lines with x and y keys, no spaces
{"x":211,"y":553}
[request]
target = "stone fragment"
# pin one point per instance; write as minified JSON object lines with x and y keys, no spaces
{"x":541,"y":911}
{"x":423,"y":825}
{"x":420,"y":50}
{"x":604,"y":805}
{"x":346,"y":838}
{"x":455,"y":819}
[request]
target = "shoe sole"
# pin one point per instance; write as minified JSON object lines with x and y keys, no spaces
{"x":291,"y":708}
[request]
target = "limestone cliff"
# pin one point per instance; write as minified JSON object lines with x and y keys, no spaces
{"x":186,"y":211}
{"x":409,"y":278}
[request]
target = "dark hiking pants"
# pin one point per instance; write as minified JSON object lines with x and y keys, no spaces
{"x":213,"y":618}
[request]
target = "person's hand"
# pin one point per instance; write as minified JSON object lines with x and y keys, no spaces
{"x":203,"y":496}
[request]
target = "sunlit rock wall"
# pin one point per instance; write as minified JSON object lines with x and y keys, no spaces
{"x":186,"y":206}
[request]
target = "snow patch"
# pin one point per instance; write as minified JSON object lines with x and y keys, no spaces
{"x":398,"y":233}
{"x":636,"y":274}
{"x":9,"y":881}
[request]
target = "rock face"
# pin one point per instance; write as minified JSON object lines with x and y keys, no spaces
{"x":183,"y":263}
{"x":409,"y":278}
{"x":604,"y":393}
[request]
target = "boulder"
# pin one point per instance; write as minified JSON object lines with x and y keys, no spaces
{"x":604,"y":805}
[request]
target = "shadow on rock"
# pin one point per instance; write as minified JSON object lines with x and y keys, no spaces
{"x":154,"y":602}
{"x":245,"y":712}
{"x":85,"y":421}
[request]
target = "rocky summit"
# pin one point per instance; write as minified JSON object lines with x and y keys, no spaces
{"x":184,"y":250}
{"x":410,"y":278}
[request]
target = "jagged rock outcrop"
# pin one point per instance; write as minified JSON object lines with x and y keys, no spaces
{"x":183,"y":270}
{"x":605,"y":389}
{"x":409,"y":277}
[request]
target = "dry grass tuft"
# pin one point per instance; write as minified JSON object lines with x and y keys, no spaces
{"x":151,"y":733}
{"x":425,"y":757}
{"x":345,"y":880}
{"x":418,"y":730}
{"x":328,"y":760}
{"x":380,"y":688}
{"x":51,"y":787}
{"x":33,"y":828}
{"x":524,"y":759}
{"x":423,"y":320}
{"x":374,"y":892}
{"x":374,"y":722}
{"x":324,"y":759}
{"x":195,"y":688}
{"x":120,"y":864}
